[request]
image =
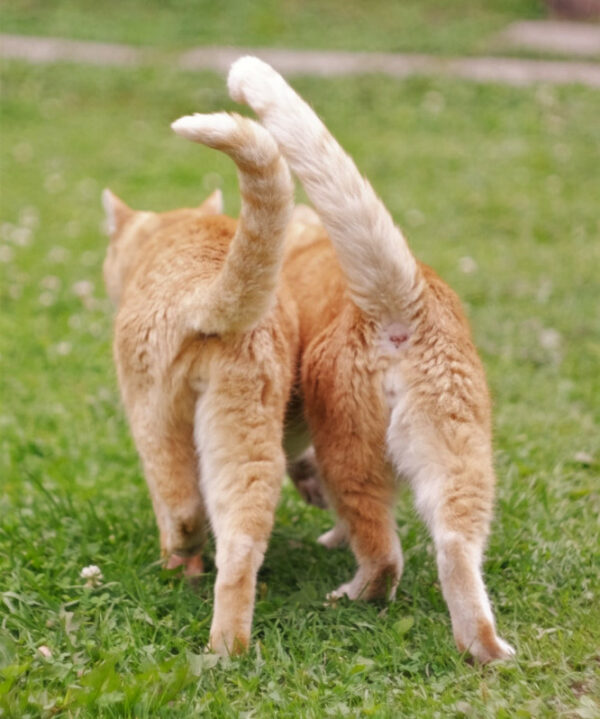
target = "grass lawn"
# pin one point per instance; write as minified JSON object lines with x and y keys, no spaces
{"x":436,"y":26}
{"x":498,"y":189}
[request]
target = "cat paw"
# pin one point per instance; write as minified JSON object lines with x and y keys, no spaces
{"x":335,"y":537}
{"x":486,"y":646}
{"x":498,"y":650}
{"x":372,"y":581}
{"x":309,"y":488}
{"x":344,"y":590}
{"x":227,"y":644}
{"x":358,"y":588}
{"x":506,"y":651}
{"x":193,"y":565}
{"x":304,"y":473}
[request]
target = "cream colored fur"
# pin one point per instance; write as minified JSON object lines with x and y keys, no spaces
{"x":244,"y":289}
{"x":205,"y":348}
{"x":379,"y":267}
{"x":391,"y":380}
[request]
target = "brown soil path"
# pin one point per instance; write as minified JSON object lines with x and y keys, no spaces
{"x":510,"y":71}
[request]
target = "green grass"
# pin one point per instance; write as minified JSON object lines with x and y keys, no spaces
{"x":505,"y":177}
{"x":437,"y":26}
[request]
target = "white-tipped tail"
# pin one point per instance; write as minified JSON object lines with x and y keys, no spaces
{"x":244,"y":289}
{"x":382,"y":272}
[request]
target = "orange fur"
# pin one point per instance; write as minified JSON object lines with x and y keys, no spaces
{"x":343,"y":379}
{"x":205,"y":348}
{"x":391,"y":380}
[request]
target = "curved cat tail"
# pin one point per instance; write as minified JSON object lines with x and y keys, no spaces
{"x":382,"y":273}
{"x":243,"y":291}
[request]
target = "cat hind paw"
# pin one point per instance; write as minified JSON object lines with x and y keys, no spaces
{"x":335,"y":537}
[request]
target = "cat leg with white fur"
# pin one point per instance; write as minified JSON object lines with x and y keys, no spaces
{"x":429,"y":373}
{"x":243,"y":465}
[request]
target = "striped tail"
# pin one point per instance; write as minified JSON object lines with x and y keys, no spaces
{"x":244,"y":290}
{"x":382,"y":273}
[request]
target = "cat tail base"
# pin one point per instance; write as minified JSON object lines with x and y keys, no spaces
{"x":244,"y":290}
{"x":382,"y":273}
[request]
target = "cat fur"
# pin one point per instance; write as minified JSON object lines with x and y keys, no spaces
{"x":391,"y":381}
{"x":205,"y":346}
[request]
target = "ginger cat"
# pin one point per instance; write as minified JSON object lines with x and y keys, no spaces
{"x":205,"y":347}
{"x":392,"y":383}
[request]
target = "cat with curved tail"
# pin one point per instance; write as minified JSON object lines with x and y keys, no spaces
{"x":392,"y":384}
{"x":205,"y":346}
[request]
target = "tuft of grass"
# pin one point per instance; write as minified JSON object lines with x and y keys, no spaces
{"x":435,"y":26}
{"x":496,"y":188}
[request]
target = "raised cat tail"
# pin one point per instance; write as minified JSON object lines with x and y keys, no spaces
{"x":244,"y":289}
{"x":382,"y":273}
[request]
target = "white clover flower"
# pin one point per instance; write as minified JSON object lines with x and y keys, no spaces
{"x":29,"y":217}
{"x":89,"y":258}
{"x":50,"y":282}
{"x":75,"y":322}
{"x":550,"y":339}
{"x":54,"y":183}
{"x":83,"y":288}
{"x":23,"y":152}
{"x":47,"y":299}
{"x":467,"y":265}
{"x":58,"y":254}
{"x":21,"y":236}
{"x":63,"y":348}
{"x":87,"y":188}
{"x":6,"y":230}
{"x":92,"y":574}
{"x":6,"y":253}
{"x":72,"y":228}
{"x":415,"y":217}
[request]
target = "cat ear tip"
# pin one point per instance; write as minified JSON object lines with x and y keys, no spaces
{"x":214,"y":202}
{"x":217,"y":195}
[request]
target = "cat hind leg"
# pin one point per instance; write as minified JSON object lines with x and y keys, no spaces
{"x":455,"y":497}
{"x":172,"y":473}
{"x":306,"y":477}
{"x":243,"y":467}
{"x":363,"y":498}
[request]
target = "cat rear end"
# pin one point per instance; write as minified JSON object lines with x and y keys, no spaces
{"x":205,"y":345}
{"x":393,"y":376}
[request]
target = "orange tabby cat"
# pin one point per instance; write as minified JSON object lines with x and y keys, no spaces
{"x":205,"y":348}
{"x":392,"y":382}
